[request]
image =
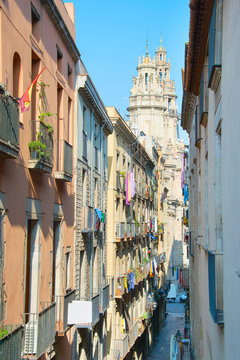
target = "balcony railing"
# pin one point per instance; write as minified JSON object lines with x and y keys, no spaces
{"x":105,"y":298}
{"x":84,"y":145}
{"x":39,"y":331}
{"x":133,"y":334}
{"x":62,"y":302}
{"x":64,"y":169}
{"x":41,"y":148}
{"x":110,"y":282}
{"x":128,"y":230}
{"x":9,"y":126}
{"x":121,"y":345}
{"x":113,"y":354}
{"x":84,"y":313}
{"x":118,"y":181}
{"x":11,"y":342}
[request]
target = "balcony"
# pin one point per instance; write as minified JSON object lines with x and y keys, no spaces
{"x":62,"y":302}
{"x":87,"y":218}
{"x":84,"y":313}
{"x":121,"y":230}
{"x":185,"y":278}
{"x":11,"y":342}
{"x":105,"y":298}
{"x":64,"y":171}
{"x":9,"y":126}
{"x":39,"y":332}
{"x":128,"y":230}
{"x":121,"y":345}
{"x":113,"y":354}
{"x":133,"y":334}
{"x":41,"y":150}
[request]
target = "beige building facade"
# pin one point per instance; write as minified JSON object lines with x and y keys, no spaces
{"x":137,"y":311}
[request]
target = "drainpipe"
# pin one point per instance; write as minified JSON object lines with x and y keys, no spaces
{"x":91,"y":233}
{"x":101,"y":240}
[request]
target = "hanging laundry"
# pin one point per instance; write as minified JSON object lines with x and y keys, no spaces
{"x":185,"y":194}
{"x":103,"y":217}
{"x":132,"y":280}
{"x":183,"y":171}
{"x":132,"y":184}
{"x":177,"y":274}
{"x":99,"y":214}
{"x":125,"y":282}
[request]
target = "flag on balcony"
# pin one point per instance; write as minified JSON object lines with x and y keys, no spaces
{"x":25,"y":100}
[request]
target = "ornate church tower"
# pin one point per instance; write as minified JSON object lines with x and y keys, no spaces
{"x":152,"y":105}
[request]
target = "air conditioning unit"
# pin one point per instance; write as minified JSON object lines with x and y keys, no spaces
{"x":31,"y":336}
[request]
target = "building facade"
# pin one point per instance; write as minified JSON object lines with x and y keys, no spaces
{"x":88,"y":311}
{"x":209,"y":115}
{"x":137,"y":311}
{"x":36,"y":178}
{"x":153,"y":118}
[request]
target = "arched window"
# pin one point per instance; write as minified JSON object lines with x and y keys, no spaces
{"x":17,"y":76}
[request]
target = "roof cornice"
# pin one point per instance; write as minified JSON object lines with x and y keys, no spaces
{"x":200,"y":18}
{"x":61,"y":27}
{"x":88,"y":91}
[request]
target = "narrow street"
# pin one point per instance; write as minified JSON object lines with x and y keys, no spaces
{"x":174,"y":322}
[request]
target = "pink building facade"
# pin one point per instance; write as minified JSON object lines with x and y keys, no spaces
{"x":36,"y":179}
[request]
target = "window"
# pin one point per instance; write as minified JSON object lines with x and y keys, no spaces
{"x":215,"y":286}
{"x":59,"y":59}
{"x":35,"y":17}
{"x":57,"y":259}
{"x":95,"y":193}
{"x":84,"y":133}
{"x":68,"y":268}
{"x":146,"y":80}
{"x":160,"y":57}
{"x":17,"y":76}
{"x":117,"y":159}
{"x":124,"y":163}
{"x":215,"y":45}
{"x":81,"y":276}
{"x":69,"y":74}
{"x":204,"y":95}
{"x":160,"y":74}
{"x":84,"y":187}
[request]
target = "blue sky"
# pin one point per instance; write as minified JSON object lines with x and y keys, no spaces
{"x":111,"y":35}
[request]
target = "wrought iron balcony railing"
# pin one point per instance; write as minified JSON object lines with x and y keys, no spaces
{"x":121,"y":344}
{"x":11,"y":342}
{"x":64,"y":170}
{"x":41,"y":148}
{"x":62,"y":302}
{"x":9,"y":126}
{"x":39,"y":331}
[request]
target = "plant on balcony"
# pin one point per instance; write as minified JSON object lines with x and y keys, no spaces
{"x":136,"y":222}
{"x":122,"y":174}
{"x":161,"y":228}
{"x":38,"y":150}
{"x":3,"y":332}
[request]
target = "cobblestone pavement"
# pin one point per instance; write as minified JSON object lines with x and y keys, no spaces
{"x":174,"y":322}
